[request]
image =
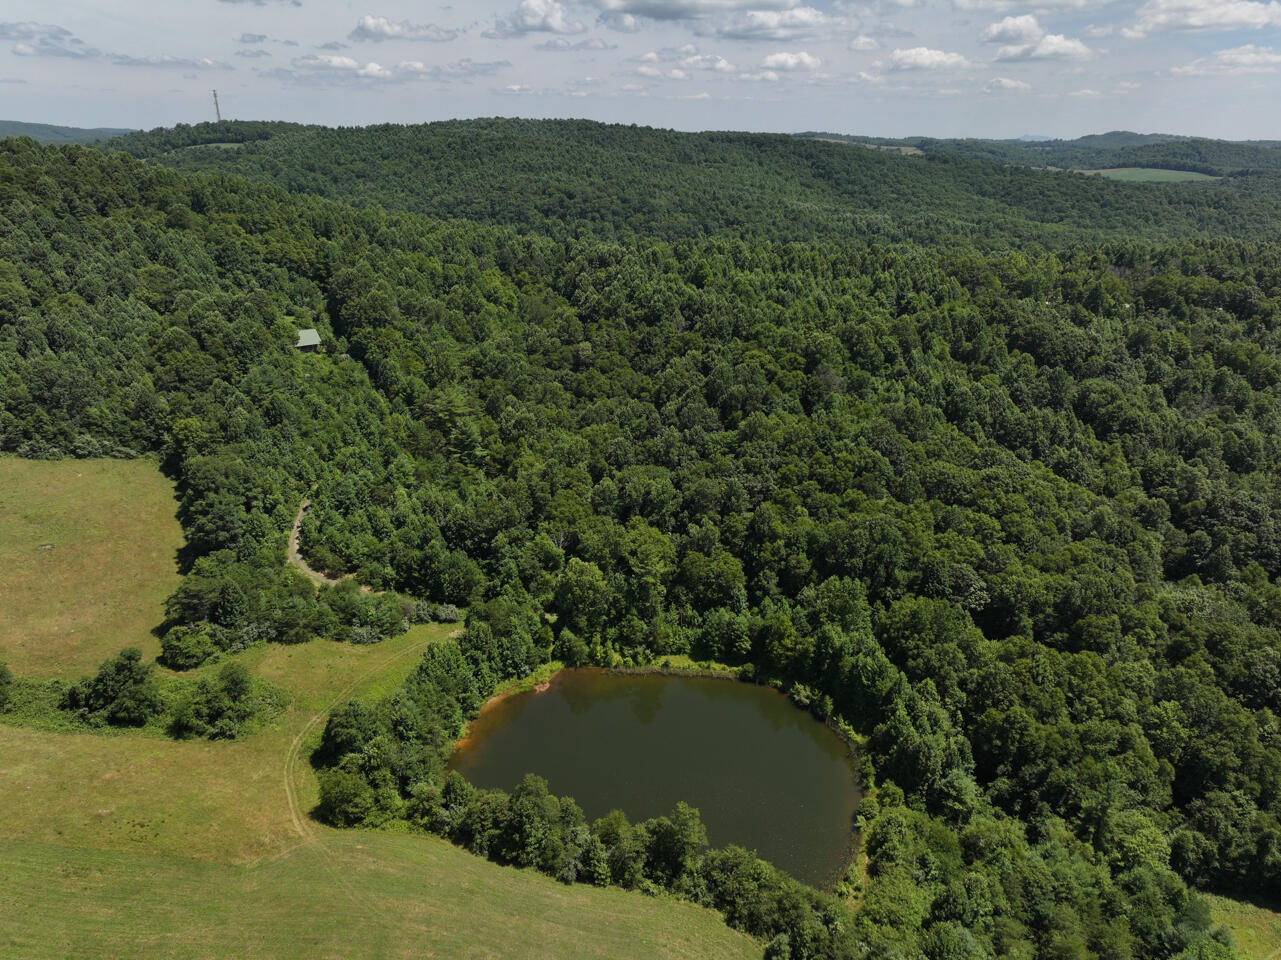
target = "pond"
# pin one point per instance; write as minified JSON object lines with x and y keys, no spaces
{"x":763,"y":773}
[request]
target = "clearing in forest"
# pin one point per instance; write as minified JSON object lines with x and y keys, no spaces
{"x":1150,"y":175}
{"x":88,"y":550}
{"x":1256,"y":927}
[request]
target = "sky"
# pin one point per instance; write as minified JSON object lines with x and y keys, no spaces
{"x":945,"y":68}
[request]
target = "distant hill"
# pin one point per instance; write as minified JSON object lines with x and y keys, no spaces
{"x":50,"y":133}
{"x":1117,"y":139}
{"x":572,"y":177}
{"x":1099,"y":151}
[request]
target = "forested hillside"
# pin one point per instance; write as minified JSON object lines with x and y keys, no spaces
{"x":1012,"y":516}
{"x":51,"y":133}
{"x":1100,"y":151}
{"x":576,"y":178}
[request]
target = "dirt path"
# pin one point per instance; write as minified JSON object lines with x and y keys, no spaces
{"x":301,"y":820}
{"x":315,"y":576}
{"x":296,"y":558}
{"x":308,"y":835}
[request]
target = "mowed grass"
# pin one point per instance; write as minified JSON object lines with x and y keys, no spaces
{"x":1256,"y":927}
{"x":210,"y":800}
{"x":88,"y":554}
{"x":130,"y":846}
{"x":1150,"y":175}
{"x":356,"y":894}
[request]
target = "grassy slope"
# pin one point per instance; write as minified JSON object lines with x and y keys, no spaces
{"x":1256,"y":927}
{"x":1150,"y":175}
{"x":88,"y":549}
{"x":124,"y":845}
{"x":357,"y":895}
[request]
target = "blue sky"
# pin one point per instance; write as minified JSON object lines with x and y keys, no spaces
{"x":999,"y":68}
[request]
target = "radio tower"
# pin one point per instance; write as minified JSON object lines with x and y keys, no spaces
{"x":217,"y":109}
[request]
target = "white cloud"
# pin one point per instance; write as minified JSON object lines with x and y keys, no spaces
{"x":326,"y":61}
{"x":45,"y":40}
{"x":1233,"y":62}
{"x":925,"y":58}
{"x":1024,"y":29}
{"x":1204,"y":15}
{"x":164,"y":60}
{"x":380,"y":28}
{"x":1006,"y":85}
{"x":863,"y":43}
{"x":1053,"y":46}
{"x":660,"y":73}
{"x":708,"y":61}
{"x":686,"y":9}
{"x":463,"y":69}
{"x":253,"y":54}
{"x":799,"y":23}
{"x":534,"y":16}
{"x":1086,"y":94}
{"x":622,"y":22}
{"x":337,"y":68}
{"x":1002,"y":5}
{"x":561,"y":45}
{"x":791,"y":61}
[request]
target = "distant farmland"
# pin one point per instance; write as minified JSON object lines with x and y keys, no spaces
{"x":1149,"y":175}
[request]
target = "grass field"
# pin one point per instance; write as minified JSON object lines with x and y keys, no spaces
{"x":130,"y":845}
{"x":88,"y":549}
{"x":1256,"y":927}
{"x":357,"y":894}
{"x":1150,"y":175}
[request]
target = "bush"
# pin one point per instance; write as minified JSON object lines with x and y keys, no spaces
{"x":184,"y":648}
{"x":124,"y":693}
{"x":447,"y":613}
{"x":215,"y":707}
{"x":345,"y":798}
{"x":6,"y":685}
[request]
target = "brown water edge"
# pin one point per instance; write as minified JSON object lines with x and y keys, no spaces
{"x":505,"y":709}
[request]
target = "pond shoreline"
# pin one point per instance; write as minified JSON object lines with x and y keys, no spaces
{"x":547,"y":675}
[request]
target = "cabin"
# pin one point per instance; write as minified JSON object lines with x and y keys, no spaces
{"x":308,"y":341}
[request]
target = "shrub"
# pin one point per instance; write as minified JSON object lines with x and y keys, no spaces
{"x":6,"y":685}
{"x":124,"y":693}
{"x":183,"y":648}
{"x":215,"y":707}
{"x":345,"y":798}
{"x":447,"y":613}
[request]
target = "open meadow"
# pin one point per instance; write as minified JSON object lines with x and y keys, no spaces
{"x":89,"y":553}
{"x":1256,"y":927}
{"x":1151,"y":175}
{"x":129,"y":845}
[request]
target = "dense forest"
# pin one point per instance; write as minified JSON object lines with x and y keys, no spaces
{"x":1012,"y":514}
{"x":628,"y":181}
{"x":52,"y":133}
{"x":1100,"y":151}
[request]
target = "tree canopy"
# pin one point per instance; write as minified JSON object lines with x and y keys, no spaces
{"x":1011,"y":513}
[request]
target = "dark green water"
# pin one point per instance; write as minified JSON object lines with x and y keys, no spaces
{"x":764,"y":774}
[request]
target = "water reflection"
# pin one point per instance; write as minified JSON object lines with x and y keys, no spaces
{"x":763,"y":774}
